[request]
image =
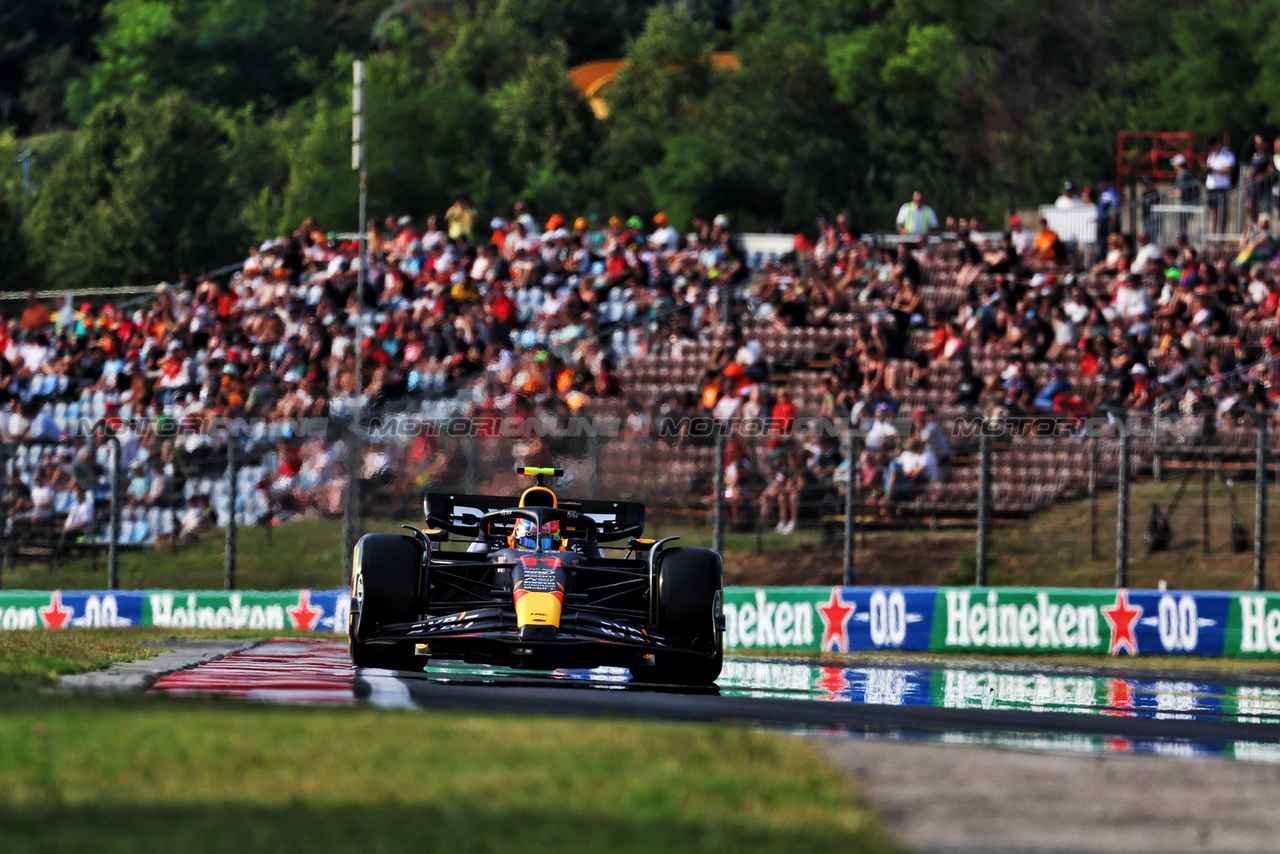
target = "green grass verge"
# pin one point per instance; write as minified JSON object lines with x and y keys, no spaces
{"x":36,"y":659}
{"x":211,"y":777}
{"x":92,"y":772}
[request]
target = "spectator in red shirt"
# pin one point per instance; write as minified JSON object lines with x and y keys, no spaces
{"x":35,"y":317}
{"x":783,"y":414}
{"x":503,"y":306}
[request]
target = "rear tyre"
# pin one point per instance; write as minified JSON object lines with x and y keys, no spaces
{"x":384,"y":590}
{"x":690,"y":582}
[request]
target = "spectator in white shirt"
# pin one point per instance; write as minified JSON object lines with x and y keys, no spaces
{"x":1023,"y":239}
{"x":1148,"y":254}
{"x":1219,"y":163}
{"x":17,"y":423}
{"x":925,"y":426}
{"x":80,"y":518}
{"x":912,"y":470}
{"x":1069,"y":198}
{"x":42,"y":502}
{"x":664,"y":237}
{"x":915,"y":218}
{"x":881,"y":429}
{"x":1132,"y":298}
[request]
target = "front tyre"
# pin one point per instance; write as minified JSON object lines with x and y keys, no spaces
{"x":690,"y":586}
{"x":385,"y":584}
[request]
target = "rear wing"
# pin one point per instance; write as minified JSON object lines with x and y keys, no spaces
{"x":459,"y":514}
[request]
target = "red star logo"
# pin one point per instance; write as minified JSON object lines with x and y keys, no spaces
{"x":1118,"y":698}
{"x":832,"y":680}
{"x":835,"y":619}
{"x":55,"y":616}
{"x":1123,"y":619}
{"x":303,"y":615}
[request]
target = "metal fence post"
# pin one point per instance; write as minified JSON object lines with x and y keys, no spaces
{"x":1204,"y":511}
{"x":984,"y":505}
{"x":470,"y":484}
{"x":1260,"y":512}
{"x":1093,"y":494}
{"x":113,"y":531}
{"x":851,"y":506}
{"x":1122,"y":512}
{"x":593,"y":453}
{"x":351,"y":512}
{"x":717,"y":479}
{"x":1157,"y":461}
{"x":4,"y":511}
{"x":229,"y":556}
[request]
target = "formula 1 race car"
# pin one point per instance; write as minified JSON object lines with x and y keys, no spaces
{"x":534,"y":588}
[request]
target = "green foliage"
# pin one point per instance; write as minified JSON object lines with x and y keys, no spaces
{"x":224,"y":52}
{"x":653,"y":98}
{"x":591,"y":30}
{"x":142,"y":195}
{"x":15,"y":269}
{"x":43,"y":43}
{"x":838,"y":105}
{"x":768,"y":146}
{"x":427,"y":142}
{"x":485,"y":50}
{"x":550,"y":128}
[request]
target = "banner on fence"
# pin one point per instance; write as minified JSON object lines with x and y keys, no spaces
{"x":300,"y":610}
{"x":1010,"y":619}
{"x":805,"y":619}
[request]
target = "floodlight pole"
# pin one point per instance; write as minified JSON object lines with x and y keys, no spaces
{"x":351,"y":516}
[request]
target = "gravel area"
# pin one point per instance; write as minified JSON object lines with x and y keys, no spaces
{"x":955,"y":799}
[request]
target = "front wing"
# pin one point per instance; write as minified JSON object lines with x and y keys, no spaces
{"x":488,"y":636}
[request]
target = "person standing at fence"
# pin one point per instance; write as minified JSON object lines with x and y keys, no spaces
{"x":915,"y":218}
{"x":1069,"y":199}
{"x":1107,"y":206}
{"x":1259,"y":166}
{"x":1273,"y":175}
{"x":1219,"y":164}
{"x":1186,"y":186}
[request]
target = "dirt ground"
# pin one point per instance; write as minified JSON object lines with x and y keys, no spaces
{"x":954,"y":799}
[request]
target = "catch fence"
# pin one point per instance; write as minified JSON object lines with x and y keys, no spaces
{"x":1135,"y":502}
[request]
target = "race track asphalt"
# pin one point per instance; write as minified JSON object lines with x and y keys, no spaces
{"x":790,"y":694}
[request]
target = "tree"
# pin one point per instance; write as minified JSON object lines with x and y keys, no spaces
{"x":769,"y":145}
{"x":43,"y":44}
{"x":224,"y":52}
{"x":550,"y":130}
{"x":426,"y":143}
{"x":15,"y":270}
{"x":666,"y":75}
{"x":140,"y":198}
{"x":590,"y":30}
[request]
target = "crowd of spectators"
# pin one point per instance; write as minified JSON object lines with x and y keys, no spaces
{"x":521,"y":315}
{"x":1011,"y":326}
